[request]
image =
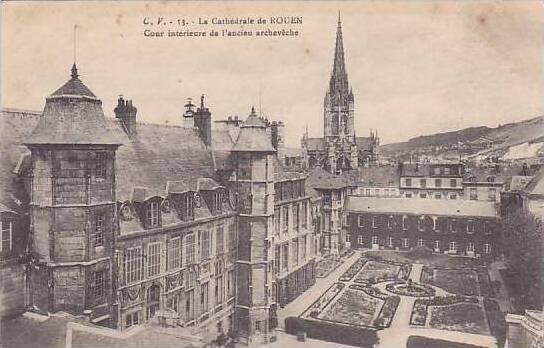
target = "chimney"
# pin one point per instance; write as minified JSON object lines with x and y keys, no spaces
{"x":278,"y":138}
{"x":188,"y":121}
{"x":203,"y":121}
{"x":126,"y":112}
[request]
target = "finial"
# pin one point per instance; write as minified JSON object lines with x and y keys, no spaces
{"x":253,"y":110}
{"x":202,"y":101}
{"x":339,"y":21}
{"x":74,"y":71}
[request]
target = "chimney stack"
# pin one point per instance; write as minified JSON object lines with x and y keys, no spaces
{"x":203,"y":121}
{"x":126,"y":112}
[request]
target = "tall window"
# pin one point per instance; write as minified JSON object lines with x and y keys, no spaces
{"x":230,"y":284}
{"x":453,"y":225}
{"x":294,"y":250}
{"x":284,"y":256}
{"x":390,"y":222}
{"x":453,"y":246}
{"x":217,"y":201}
{"x":361,"y":221}
{"x":219,"y":240}
{"x":187,"y":212}
{"x":374,"y":239}
{"x":304,"y":242}
{"x":100,"y":165}
{"x":174,"y":253}
{"x":360,"y":239}
{"x":420,"y":242}
{"x":374,"y":225}
{"x":204,"y":244}
{"x":7,"y":235}
{"x":453,"y":183}
{"x":390,"y":242}
{"x":304,"y":214}
{"x":99,"y":229}
{"x":473,"y":193}
{"x":153,"y":259}
{"x":405,"y":222}
{"x":421,"y":223}
{"x":133,"y":265}
{"x":423,"y":183}
{"x":487,"y":248}
{"x":492,"y":193}
{"x":436,"y":245}
{"x":408,"y":182}
{"x":204,"y":297}
{"x":470,"y":226}
{"x":296,"y":216}
{"x":470,"y":247}
{"x":190,"y":248}
{"x":435,"y":225}
{"x":232,"y":237}
{"x":285,"y":218}
{"x":277,"y":259}
{"x":437,"y":182}
{"x":153,"y":214}
{"x":405,"y":242}
{"x":277,"y":220}
{"x":98,"y":284}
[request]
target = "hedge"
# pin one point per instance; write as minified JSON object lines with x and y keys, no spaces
{"x":325,"y":331}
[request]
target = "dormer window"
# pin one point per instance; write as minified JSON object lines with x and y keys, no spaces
{"x":126,"y":212}
{"x":100,"y":165}
{"x":217,"y":201}
{"x":153,"y":214}
{"x":187,"y":206}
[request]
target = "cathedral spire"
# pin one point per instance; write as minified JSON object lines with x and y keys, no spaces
{"x":339,"y":78}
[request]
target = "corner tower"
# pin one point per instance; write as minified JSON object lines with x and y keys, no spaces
{"x":253,"y":184}
{"x":72,"y":205}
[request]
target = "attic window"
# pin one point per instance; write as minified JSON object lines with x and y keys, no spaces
{"x":217,"y":201}
{"x":188,"y":206}
{"x":153,"y":214}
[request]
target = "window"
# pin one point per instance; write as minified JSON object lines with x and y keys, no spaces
{"x":453,"y":246}
{"x":422,"y":195}
{"x":437,"y":183}
{"x":470,"y":226}
{"x":491,"y":178}
{"x":470,"y":247}
{"x":99,"y":229}
{"x":174,"y":253}
{"x":453,"y":183}
{"x":453,"y":224}
{"x":294,"y":251}
{"x":190,"y":248}
{"x":374,"y":222}
{"x":436,"y":245}
{"x":133,"y":265}
{"x":453,"y":196}
{"x":277,"y":259}
{"x":390,"y":242}
{"x":285,"y":218}
{"x":346,"y":220}
{"x":487,"y":248}
{"x":492,"y":193}
{"x":435,"y":225}
{"x":408,"y":195}
{"x":188,"y":206}
{"x":304,"y":242}
{"x":189,"y":305}
{"x":217,"y":201}
{"x":420,"y":243}
{"x":360,"y":239}
{"x":296,"y":216}
{"x":153,"y":259}
{"x":98,"y":284}
{"x":100,"y":165}
{"x":436,"y":170}
{"x":405,"y":222}
{"x":374,"y":239}
{"x":348,"y":238}
{"x":361,"y":221}
{"x":405,"y":242}
{"x":277,"y":220}
{"x":219,"y":244}
{"x":421,"y":223}
{"x":7,"y":236}
{"x":284,"y":256}
{"x":408,"y":182}
{"x":204,"y":298}
{"x":204,"y":244}
{"x":438,"y":196}
{"x":132,"y":319}
{"x":230,"y":284}
{"x":447,"y":170}
{"x":390,"y":222}
{"x":423,"y":183}
{"x":153,"y":214}
{"x":304,"y":217}
{"x":473,"y":194}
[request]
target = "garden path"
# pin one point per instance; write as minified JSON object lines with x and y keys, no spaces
{"x":299,"y":305}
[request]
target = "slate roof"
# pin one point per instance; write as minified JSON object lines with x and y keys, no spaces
{"x":153,"y":157}
{"x":519,"y":182}
{"x":72,"y":115}
{"x":379,"y":176}
{"x":318,"y":178}
{"x":253,"y":136}
{"x":449,"y":207}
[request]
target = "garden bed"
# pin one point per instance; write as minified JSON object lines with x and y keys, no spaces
{"x":410,"y":289}
{"x":464,"y":317}
{"x":419,"y":311}
{"x":424,"y":342}
{"x":317,"y":307}
{"x":353,"y":270}
{"x":353,"y":308}
{"x":325,"y":266}
{"x":376,"y":271}
{"x":387,"y":312}
{"x":456,"y":281}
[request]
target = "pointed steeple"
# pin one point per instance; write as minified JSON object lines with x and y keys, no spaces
{"x":74,"y":71}
{"x":339,"y":77}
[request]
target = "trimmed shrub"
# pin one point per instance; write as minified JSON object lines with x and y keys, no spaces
{"x":325,"y":331}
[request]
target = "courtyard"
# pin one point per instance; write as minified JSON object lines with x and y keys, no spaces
{"x":395,"y":295}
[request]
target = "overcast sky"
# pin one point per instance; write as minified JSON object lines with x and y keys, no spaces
{"x":415,"y":67}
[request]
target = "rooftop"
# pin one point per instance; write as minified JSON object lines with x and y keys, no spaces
{"x":417,"y":206}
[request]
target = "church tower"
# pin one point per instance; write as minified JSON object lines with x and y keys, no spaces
{"x":339,"y":130}
{"x":253,"y":184}
{"x":72,"y":205}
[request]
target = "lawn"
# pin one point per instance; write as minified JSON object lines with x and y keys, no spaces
{"x":424,"y":342}
{"x":457,"y":281}
{"x":353,"y":307}
{"x":465,"y":317}
{"x":377,"y":270}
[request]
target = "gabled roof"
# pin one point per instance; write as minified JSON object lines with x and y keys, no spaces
{"x":421,"y":206}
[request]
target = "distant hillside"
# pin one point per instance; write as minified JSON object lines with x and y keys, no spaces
{"x":501,"y":136}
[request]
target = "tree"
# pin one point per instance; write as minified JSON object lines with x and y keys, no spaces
{"x":522,"y":244}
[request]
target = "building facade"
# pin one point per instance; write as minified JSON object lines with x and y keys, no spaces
{"x":339,"y":149}
{"x":436,"y":181}
{"x":453,"y":227}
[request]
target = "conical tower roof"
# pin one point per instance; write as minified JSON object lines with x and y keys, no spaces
{"x":72,"y":115}
{"x":253,"y":136}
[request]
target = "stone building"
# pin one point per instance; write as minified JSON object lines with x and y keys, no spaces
{"x":124,"y":222}
{"x":436,"y":181}
{"x":457,"y":227}
{"x":339,"y":149}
